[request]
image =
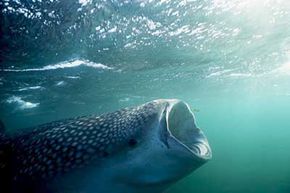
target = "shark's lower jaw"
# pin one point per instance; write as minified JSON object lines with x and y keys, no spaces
{"x":182,"y":128}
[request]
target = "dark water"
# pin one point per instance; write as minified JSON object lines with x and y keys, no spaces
{"x":228,"y":59}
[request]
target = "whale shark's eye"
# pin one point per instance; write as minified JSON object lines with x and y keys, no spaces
{"x":132,"y":142}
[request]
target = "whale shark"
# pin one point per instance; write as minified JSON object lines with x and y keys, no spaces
{"x":138,"y":149}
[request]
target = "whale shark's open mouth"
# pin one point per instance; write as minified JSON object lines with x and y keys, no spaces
{"x":181,"y":126}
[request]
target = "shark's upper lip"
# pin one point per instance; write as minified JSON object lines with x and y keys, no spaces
{"x":182,"y":128}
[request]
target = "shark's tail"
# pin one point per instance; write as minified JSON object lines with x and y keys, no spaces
{"x":5,"y":160}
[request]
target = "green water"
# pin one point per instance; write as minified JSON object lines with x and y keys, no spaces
{"x":228,"y":59}
{"x":250,"y":142}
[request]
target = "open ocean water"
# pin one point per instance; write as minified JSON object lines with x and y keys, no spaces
{"x":229,"y":60}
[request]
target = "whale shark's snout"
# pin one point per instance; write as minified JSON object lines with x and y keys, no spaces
{"x":171,"y":148}
{"x":181,"y":127}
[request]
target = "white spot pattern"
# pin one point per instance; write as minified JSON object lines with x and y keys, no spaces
{"x":57,"y":147}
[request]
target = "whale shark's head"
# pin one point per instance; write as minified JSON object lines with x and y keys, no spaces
{"x":169,"y":147}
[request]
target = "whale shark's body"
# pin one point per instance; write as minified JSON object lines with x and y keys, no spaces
{"x":133,"y":150}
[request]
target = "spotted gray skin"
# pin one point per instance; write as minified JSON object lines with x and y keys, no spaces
{"x":139,"y":149}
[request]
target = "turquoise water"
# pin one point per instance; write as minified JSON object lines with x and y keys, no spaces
{"x":229,"y":60}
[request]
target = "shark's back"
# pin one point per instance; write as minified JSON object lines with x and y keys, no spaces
{"x":33,"y":159}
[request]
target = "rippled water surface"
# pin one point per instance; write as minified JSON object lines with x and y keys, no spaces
{"x":228,"y":59}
